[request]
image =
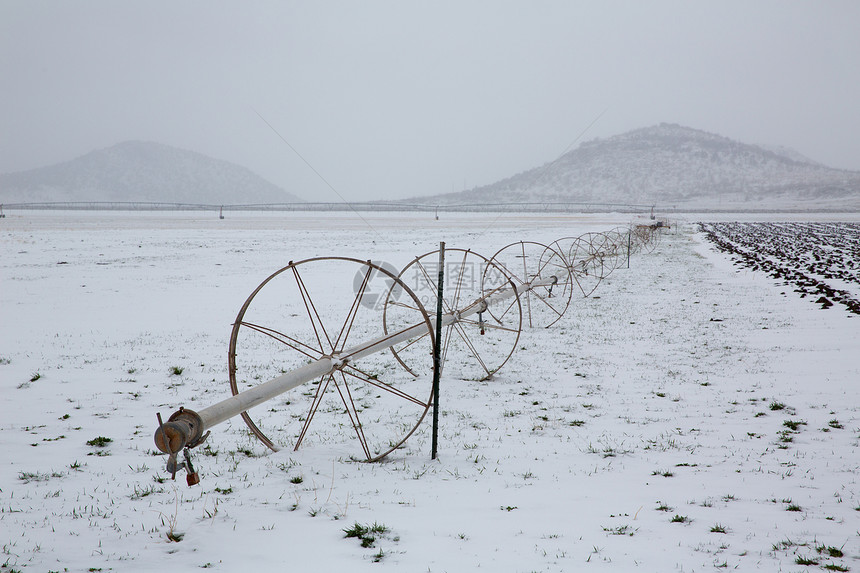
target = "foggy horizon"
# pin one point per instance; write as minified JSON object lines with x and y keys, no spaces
{"x":390,"y":101}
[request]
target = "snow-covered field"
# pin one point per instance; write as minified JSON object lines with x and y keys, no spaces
{"x":687,"y":416}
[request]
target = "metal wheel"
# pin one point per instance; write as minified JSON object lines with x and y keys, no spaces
{"x":306,"y":311}
{"x":621,"y":239}
{"x":648,"y":237}
{"x":592,"y":256}
{"x":546,"y":271}
{"x":572,"y":250}
{"x":479,"y":343}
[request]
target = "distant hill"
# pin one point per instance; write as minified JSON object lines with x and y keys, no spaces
{"x":671,"y":165}
{"x":142,"y":171}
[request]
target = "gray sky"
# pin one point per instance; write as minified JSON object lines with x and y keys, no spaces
{"x":390,"y":99}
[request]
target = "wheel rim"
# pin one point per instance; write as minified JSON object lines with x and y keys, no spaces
{"x":525,"y":262}
{"x":479,"y":344}
{"x":304,"y":312}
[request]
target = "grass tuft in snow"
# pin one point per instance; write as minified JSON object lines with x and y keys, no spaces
{"x":785,"y":436}
{"x":830,"y":550}
{"x":140,"y":493}
{"x":367,"y":534}
{"x":620,"y":530}
{"x":175,"y":536}
{"x":784,"y":544}
{"x":99,"y":442}
{"x":27,"y":477}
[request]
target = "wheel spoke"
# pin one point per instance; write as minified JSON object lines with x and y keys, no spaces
{"x":542,"y":266}
{"x":413,"y":341}
{"x":351,"y":314}
{"x":557,"y":266}
{"x":525,"y":273}
{"x":401,"y":304}
{"x":296,"y":345}
{"x":315,"y":404}
{"x":543,"y":300}
{"x":472,"y":348}
{"x":458,"y":289}
{"x":525,"y":268}
{"x":312,"y":310}
{"x":510,"y":306}
{"x":488,"y":325}
{"x":445,"y":346}
{"x":383,"y":386}
{"x":433,"y":287}
{"x":352,"y":412}
{"x":430,"y":286}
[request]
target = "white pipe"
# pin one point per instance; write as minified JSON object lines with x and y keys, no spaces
{"x":255,"y":396}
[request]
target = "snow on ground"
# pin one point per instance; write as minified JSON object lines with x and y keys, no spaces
{"x":686,"y":417}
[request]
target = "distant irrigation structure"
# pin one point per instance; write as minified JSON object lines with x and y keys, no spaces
{"x":521,"y":207}
{"x":358,"y":338}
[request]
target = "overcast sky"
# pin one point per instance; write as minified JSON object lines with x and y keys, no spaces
{"x":398,"y":99}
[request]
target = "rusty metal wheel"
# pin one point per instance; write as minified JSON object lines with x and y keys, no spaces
{"x":572,"y":250}
{"x":306,"y":311}
{"x":621,"y":240}
{"x":542,"y":278}
{"x":478,"y":344}
{"x":649,"y":237}
{"x":640,"y":237}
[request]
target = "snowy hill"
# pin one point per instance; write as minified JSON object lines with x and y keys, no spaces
{"x":142,"y":172}
{"x":672,"y":165}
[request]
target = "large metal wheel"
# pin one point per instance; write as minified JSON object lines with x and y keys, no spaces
{"x":477,"y":344}
{"x":307,"y":311}
{"x":542,"y":278}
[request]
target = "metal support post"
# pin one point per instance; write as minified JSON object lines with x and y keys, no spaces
{"x":629,"y":238}
{"x":437,"y":350}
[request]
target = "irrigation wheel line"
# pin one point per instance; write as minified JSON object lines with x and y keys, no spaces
{"x":298,"y":326}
